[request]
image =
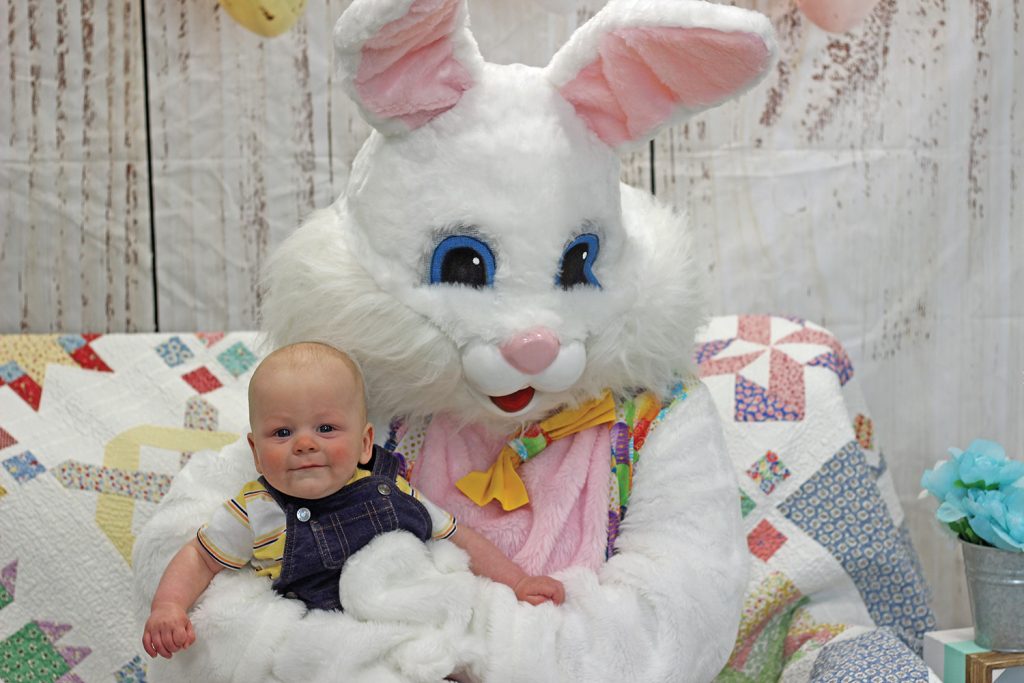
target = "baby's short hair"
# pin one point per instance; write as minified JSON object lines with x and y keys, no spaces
{"x":304,"y":353}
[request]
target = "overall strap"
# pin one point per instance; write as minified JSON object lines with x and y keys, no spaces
{"x":385,"y":464}
{"x":278,"y":497}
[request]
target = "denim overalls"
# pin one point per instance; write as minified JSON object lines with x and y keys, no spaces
{"x":321,"y":534}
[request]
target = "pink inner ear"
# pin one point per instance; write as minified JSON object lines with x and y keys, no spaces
{"x":642,"y":75}
{"x":407,"y":71}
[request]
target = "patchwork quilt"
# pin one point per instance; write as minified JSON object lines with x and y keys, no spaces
{"x":93,"y":429}
{"x":836,"y":591}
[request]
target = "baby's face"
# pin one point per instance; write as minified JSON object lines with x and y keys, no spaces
{"x":309,"y":430}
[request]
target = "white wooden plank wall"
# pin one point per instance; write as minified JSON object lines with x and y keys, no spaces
{"x":74,"y":209}
{"x":872,"y":183}
{"x":249,"y":136}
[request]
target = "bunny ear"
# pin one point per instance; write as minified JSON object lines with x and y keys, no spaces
{"x":406,"y":61}
{"x":638,"y":66}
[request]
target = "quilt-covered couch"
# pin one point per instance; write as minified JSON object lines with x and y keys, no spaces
{"x":94,"y":428}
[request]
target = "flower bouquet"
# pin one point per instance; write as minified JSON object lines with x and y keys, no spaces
{"x":982,"y":496}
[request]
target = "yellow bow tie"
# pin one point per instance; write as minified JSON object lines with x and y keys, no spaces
{"x":501,"y":481}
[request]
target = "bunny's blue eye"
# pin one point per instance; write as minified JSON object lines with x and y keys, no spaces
{"x":462,"y":260}
{"x":576,"y":266}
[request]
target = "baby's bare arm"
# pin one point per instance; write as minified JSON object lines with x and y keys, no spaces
{"x":168,"y":628}
{"x":485,"y":559}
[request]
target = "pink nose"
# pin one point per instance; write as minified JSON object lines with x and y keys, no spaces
{"x":531,"y":351}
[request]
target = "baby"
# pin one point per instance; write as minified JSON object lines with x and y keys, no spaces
{"x":313,"y":506}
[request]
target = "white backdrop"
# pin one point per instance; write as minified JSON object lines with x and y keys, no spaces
{"x":873,"y":184}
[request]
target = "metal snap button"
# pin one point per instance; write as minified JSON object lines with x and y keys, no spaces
{"x":383,"y":489}
{"x":302,"y":514}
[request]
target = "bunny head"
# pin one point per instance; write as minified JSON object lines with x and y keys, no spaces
{"x":485,"y":260}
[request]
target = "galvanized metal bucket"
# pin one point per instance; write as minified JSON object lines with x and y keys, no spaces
{"x":995,"y":583}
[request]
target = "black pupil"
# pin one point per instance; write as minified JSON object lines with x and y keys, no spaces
{"x":573,"y":263}
{"x":464,"y":266}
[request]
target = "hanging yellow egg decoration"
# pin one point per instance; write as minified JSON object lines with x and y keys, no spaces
{"x":267,"y":18}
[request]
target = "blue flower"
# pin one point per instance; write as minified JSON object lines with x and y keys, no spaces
{"x":982,"y":495}
{"x":951,"y":510}
{"x":984,"y":463}
{"x":997,"y":516}
{"x":941,"y":482}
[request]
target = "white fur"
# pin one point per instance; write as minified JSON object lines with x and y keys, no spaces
{"x":513,"y":165}
{"x":487,"y":370}
{"x":657,"y":609}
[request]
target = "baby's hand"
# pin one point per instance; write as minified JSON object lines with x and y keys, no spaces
{"x":537,"y":589}
{"x":168,"y":630}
